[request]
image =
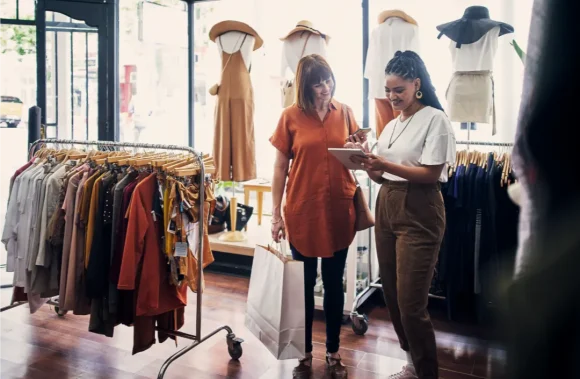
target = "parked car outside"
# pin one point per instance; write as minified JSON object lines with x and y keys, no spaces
{"x":11,"y":111}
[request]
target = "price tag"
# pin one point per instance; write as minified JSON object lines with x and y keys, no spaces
{"x":180,"y":249}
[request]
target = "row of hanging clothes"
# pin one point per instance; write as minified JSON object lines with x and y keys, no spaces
{"x":112,"y":234}
{"x":480,"y":242}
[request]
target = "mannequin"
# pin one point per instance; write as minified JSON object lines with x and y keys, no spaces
{"x":473,"y":45}
{"x":234,"y":146}
{"x":396,"y":30}
{"x":301,"y":41}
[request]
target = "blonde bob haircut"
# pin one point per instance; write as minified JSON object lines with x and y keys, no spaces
{"x":312,"y":69}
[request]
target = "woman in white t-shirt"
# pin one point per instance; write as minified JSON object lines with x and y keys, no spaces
{"x":414,"y":151}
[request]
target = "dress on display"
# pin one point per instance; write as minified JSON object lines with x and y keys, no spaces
{"x":473,"y":45}
{"x":301,"y":41}
{"x":234,"y":144}
{"x":396,"y":31}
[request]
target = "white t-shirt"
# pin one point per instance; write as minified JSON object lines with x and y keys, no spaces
{"x":425,"y":140}
{"x":386,"y":39}
{"x":477,"y":56}
{"x":232,"y":42}
{"x":292,"y":50}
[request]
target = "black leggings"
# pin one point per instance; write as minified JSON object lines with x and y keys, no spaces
{"x":332,"y":272}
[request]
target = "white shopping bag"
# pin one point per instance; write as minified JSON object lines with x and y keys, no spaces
{"x":275,"y":309}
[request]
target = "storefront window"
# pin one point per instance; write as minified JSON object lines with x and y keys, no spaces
{"x":153,"y":75}
{"x":508,"y":69}
{"x":15,"y":9}
{"x":344,"y":26}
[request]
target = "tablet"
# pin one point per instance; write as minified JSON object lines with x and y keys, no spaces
{"x":344,"y":155}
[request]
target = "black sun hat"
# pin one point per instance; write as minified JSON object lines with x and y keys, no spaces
{"x":472,"y":26}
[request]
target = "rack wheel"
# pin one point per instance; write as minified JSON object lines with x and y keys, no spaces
{"x":360,"y":324}
{"x":59,"y":312}
{"x":235,"y":346}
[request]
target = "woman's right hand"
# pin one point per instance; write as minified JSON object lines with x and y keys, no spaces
{"x":357,"y":145}
{"x":278,"y":230}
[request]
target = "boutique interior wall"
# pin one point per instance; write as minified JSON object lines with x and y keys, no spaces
{"x":153,"y":59}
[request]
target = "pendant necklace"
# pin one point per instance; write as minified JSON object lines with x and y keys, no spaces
{"x":395,"y":127}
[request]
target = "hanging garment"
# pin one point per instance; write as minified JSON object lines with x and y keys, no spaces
{"x":470,"y":97}
{"x":384,"y":113}
{"x":234,"y":144}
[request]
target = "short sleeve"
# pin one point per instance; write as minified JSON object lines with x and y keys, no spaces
{"x":281,"y":139}
{"x":439,"y":147}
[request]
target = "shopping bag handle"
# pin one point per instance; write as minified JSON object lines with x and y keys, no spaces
{"x":280,"y":252}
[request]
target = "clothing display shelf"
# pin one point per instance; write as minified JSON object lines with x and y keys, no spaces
{"x":370,"y":280}
{"x":234,"y":343}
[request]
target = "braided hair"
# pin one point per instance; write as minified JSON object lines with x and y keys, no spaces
{"x":409,"y":65}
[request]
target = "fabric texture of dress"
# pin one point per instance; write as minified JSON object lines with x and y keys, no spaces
{"x":234,"y":144}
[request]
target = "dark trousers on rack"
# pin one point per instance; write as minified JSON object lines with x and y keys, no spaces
{"x":332,"y":273}
{"x":410,"y":223}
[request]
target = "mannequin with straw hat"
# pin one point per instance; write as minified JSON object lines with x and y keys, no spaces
{"x":304,"y":39}
{"x":395,"y":31}
{"x":234,"y":144}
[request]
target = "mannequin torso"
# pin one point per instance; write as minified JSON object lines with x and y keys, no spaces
{"x":477,"y":56}
{"x":292,"y":50}
{"x":231,"y":41}
{"x":386,"y":39}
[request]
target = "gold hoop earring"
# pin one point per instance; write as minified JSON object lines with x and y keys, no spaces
{"x":418,"y":94}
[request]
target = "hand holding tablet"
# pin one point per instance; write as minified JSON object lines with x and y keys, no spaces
{"x":345,"y":155}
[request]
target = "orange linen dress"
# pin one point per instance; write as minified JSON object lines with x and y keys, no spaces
{"x":319,"y":211}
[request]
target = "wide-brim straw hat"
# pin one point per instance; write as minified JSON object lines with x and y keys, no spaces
{"x":235,"y":26}
{"x":384,"y":15}
{"x":306,"y":26}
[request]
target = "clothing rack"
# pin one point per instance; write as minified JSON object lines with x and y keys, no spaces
{"x":234,"y":343}
{"x":477,"y":143}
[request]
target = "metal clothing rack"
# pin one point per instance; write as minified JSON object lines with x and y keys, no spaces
{"x":234,"y":343}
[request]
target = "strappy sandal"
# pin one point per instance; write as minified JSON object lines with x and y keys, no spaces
{"x":335,"y":369}
{"x":303,"y":370}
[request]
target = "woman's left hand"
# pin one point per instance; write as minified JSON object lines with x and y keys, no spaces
{"x":371,"y":162}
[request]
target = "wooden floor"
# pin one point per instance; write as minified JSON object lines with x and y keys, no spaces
{"x":46,"y":346}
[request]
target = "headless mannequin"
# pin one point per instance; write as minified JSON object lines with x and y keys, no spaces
{"x":472,"y":67}
{"x":229,"y":43}
{"x":296,"y":46}
{"x":387,"y":38}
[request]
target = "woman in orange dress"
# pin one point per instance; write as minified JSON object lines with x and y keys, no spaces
{"x":319,"y":211}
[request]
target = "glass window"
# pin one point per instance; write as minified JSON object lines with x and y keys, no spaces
{"x":8,"y":8}
{"x":508,"y":69}
{"x":153,"y":74}
{"x":344,"y":56}
{"x":18,"y":74}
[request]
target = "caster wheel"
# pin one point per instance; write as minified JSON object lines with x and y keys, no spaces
{"x":235,"y":347}
{"x":59,"y":312}
{"x":360,"y":324}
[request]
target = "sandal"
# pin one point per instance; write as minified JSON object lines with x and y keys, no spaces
{"x":304,"y":369}
{"x":334,"y":368}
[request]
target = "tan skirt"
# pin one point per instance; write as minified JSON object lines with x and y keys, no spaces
{"x":470,"y":98}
